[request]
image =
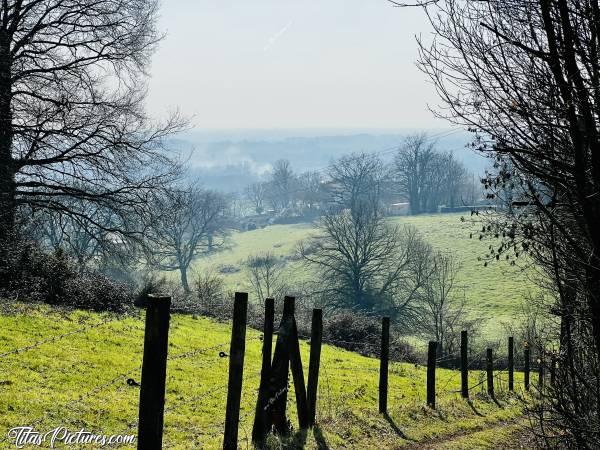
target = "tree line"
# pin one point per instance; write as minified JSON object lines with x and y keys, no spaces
{"x":419,"y":174}
{"x":524,"y":78}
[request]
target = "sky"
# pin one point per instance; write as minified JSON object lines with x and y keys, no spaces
{"x":279,"y":64}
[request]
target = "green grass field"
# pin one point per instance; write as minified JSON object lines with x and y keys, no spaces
{"x":494,"y":293}
{"x":79,"y":381}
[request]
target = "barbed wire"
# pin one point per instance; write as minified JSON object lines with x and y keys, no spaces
{"x":197,"y":351}
{"x":56,"y":338}
{"x":207,"y":394}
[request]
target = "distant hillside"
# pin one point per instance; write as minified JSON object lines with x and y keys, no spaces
{"x":230,"y":160}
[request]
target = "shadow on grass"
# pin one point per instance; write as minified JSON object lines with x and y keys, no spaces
{"x":319,"y":438}
{"x":477,"y":413}
{"x":395,"y":427}
{"x":298,"y":439}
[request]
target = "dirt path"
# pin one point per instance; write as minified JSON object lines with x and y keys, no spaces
{"x":509,"y":435}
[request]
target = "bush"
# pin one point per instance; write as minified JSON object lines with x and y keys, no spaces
{"x":354,"y":332}
{"x":210,"y":288}
{"x":362,"y":334}
{"x":96,"y":292}
{"x":30,"y":273}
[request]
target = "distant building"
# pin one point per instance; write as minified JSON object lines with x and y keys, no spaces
{"x":399,"y":209}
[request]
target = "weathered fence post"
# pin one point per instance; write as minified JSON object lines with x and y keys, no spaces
{"x":316,"y":336}
{"x":464,"y":364}
{"x":261,"y":426}
{"x":236,"y":370}
{"x":511,"y":364}
{"x":278,"y":381}
{"x":490,"y":372}
{"x":297,"y":372}
{"x":383,"y":365}
{"x":431,"y":360}
{"x":527,"y":368}
{"x":154,"y":373}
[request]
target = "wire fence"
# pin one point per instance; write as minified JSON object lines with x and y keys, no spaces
{"x":335,"y":369}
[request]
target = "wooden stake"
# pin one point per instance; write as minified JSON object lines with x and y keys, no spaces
{"x":464,"y":364}
{"x":316,"y":337}
{"x":383,"y":365}
{"x":490,"y":372}
{"x":154,"y":373}
{"x":431,"y":360}
{"x":511,"y":364}
{"x":236,"y":370}
{"x":261,"y":425}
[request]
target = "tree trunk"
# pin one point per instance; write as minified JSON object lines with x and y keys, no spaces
{"x":7,"y":166}
{"x":184,"y":278}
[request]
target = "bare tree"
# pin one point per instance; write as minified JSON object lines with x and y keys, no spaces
{"x":417,"y":172}
{"x":188,"y":224}
{"x":265,"y":275}
{"x":282,"y":185}
{"x":256,"y":194}
{"x":429,"y":178}
{"x":524,"y":76}
{"x":91,"y":247}
{"x":72,"y":123}
{"x":441,"y":305}
{"x":455,"y":180}
{"x":311,"y":191}
{"x":367,"y":264}
{"x":357,"y":179}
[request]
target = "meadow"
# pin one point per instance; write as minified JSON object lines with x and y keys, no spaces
{"x":494,"y":293}
{"x":76,"y":376}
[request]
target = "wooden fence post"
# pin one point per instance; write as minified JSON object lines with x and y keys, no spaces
{"x":297,"y":372}
{"x":154,"y":373}
{"x":511,"y":364}
{"x":527,"y":368}
{"x":553,"y":370}
{"x":278,"y":381}
{"x":490,"y":372}
{"x":383,"y":364}
{"x":236,"y":370}
{"x":464,"y":364}
{"x":316,"y":337}
{"x":431,"y":360}
{"x":260,"y":428}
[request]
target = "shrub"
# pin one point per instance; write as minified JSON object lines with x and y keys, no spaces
{"x":96,"y":292}
{"x":354,"y":332}
{"x":210,"y":288}
{"x":30,"y":273}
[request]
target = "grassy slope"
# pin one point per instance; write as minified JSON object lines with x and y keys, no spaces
{"x":75,"y":382}
{"x":493,"y":293}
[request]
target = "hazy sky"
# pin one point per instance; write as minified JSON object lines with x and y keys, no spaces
{"x":291,"y":64}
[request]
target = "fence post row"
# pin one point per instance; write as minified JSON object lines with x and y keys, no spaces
{"x":236,"y":370}
{"x":511,"y":364}
{"x":154,"y":373}
{"x":384,"y":363}
{"x":316,"y":337}
{"x":464,"y":364}
{"x":490,"y":372}
{"x":261,"y":425}
{"x":431,"y":357}
{"x":526,"y":370}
